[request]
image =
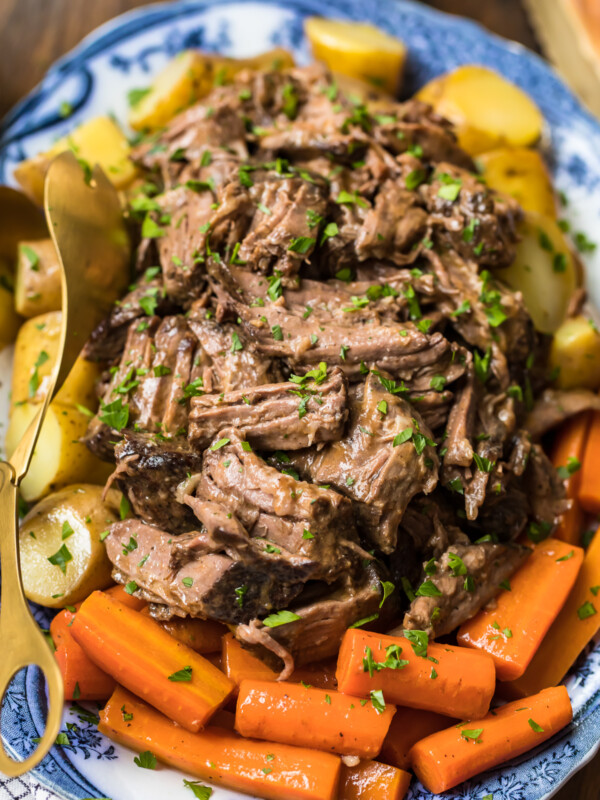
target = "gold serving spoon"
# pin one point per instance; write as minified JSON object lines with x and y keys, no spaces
{"x":86,"y":223}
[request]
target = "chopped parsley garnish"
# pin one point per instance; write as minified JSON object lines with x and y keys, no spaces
{"x":364,"y":621}
{"x":377,"y":700}
{"x":240,"y":592}
{"x":280,"y":618}
{"x":534,"y":726}
{"x":200,"y":791}
{"x":34,"y":380}
{"x":145,"y":760}
{"x":572,"y":466}
{"x":586,"y":610}
{"x":302,"y":244}
{"x":182,"y":675}
{"x":61,"y":558}
{"x":388,"y":588}
{"x":428,"y":589}
{"x":218,"y":445}
{"x":115,"y":414}
{"x":473,"y":733}
{"x":419,"y":641}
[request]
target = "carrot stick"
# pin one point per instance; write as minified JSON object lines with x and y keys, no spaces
{"x":202,"y":635}
{"x":370,"y":780}
{"x":408,"y":726}
{"x":118,"y":592}
{"x":455,"y":681}
{"x":513,"y":630}
{"x":82,"y":679}
{"x":142,"y":656}
{"x":449,"y":757}
{"x":567,"y":454}
{"x":577,"y":623}
{"x":272,"y":771}
{"x":294,"y":714}
{"x":588,"y":492}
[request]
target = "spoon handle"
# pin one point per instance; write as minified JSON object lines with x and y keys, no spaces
{"x":23,"y":641}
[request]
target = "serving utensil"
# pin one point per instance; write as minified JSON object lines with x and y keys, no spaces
{"x":85,"y":221}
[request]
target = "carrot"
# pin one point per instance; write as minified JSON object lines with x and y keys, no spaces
{"x":449,"y":757}
{"x":455,"y":681}
{"x":142,"y":656}
{"x":202,"y":635}
{"x":82,"y":679}
{"x":567,"y":455}
{"x":294,"y":714}
{"x":577,"y":623}
{"x":118,"y":592}
{"x":370,"y":780}
{"x":588,"y":492}
{"x":272,"y":771}
{"x":513,"y":630}
{"x":240,"y":664}
{"x":408,"y":726}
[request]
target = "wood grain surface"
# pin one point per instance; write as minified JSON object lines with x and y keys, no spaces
{"x":34,"y":33}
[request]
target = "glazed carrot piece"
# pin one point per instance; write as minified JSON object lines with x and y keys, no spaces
{"x":567,"y":454}
{"x":82,"y":679}
{"x":577,"y":623}
{"x":445,"y":759}
{"x":263,"y":769}
{"x":240,"y":664}
{"x":513,"y":630}
{"x":455,"y":681}
{"x":588,"y":492}
{"x":142,"y":656}
{"x":371,"y":780}
{"x":294,"y":714}
{"x":408,"y":726}
{"x":202,"y":635}
{"x":118,"y":592}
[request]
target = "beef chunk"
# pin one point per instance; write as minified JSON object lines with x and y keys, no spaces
{"x":285,"y":514}
{"x":148,"y":473}
{"x":386,"y":457}
{"x":555,"y":406}
{"x":274,"y":416}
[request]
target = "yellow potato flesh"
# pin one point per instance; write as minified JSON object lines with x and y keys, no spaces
{"x":98,"y":141}
{"x":358,"y":50}
{"x":543,"y":271}
{"x":37,"y":284}
{"x":39,"y":336}
{"x":190,"y":76}
{"x":575,"y":354}
{"x":522,"y":174}
{"x":486,"y":109}
{"x":59,"y":458}
{"x":9,"y":319}
{"x":68,"y":522}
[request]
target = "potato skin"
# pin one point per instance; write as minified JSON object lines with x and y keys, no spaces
{"x":521,"y":173}
{"x":487,"y":110}
{"x":37,"y":336}
{"x":37,"y":285}
{"x":73,"y":518}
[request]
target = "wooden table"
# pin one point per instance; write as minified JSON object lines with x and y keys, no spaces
{"x":33,"y":33}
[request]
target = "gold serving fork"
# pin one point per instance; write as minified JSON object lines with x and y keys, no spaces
{"x":85,"y":221}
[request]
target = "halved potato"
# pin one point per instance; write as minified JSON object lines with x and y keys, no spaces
{"x":35,"y":355}
{"x":543,"y":270}
{"x":190,"y":76}
{"x":358,"y":50}
{"x":62,"y":557}
{"x":9,"y":319}
{"x":98,"y":141}
{"x":521,"y":173}
{"x":37,"y":284}
{"x":575,"y":354}
{"x":59,"y":457}
{"x":487,"y":110}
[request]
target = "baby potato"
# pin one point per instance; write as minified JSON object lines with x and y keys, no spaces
{"x":9,"y":319}
{"x":97,"y":141}
{"x":486,"y":109}
{"x":190,"y":76}
{"x":59,"y":458}
{"x":62,"y":557}
{"x":358,"y":50}
{"x":543,"y":271}
{"x":575,"y":354}
{"x":37,"y":284}
{"x":35,"y":354}
{"x":521,"y":173}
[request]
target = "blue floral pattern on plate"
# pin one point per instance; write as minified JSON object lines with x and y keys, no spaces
{"x":94,"y":79}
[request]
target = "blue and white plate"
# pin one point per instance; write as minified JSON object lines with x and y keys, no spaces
{"x":94,"y":79}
